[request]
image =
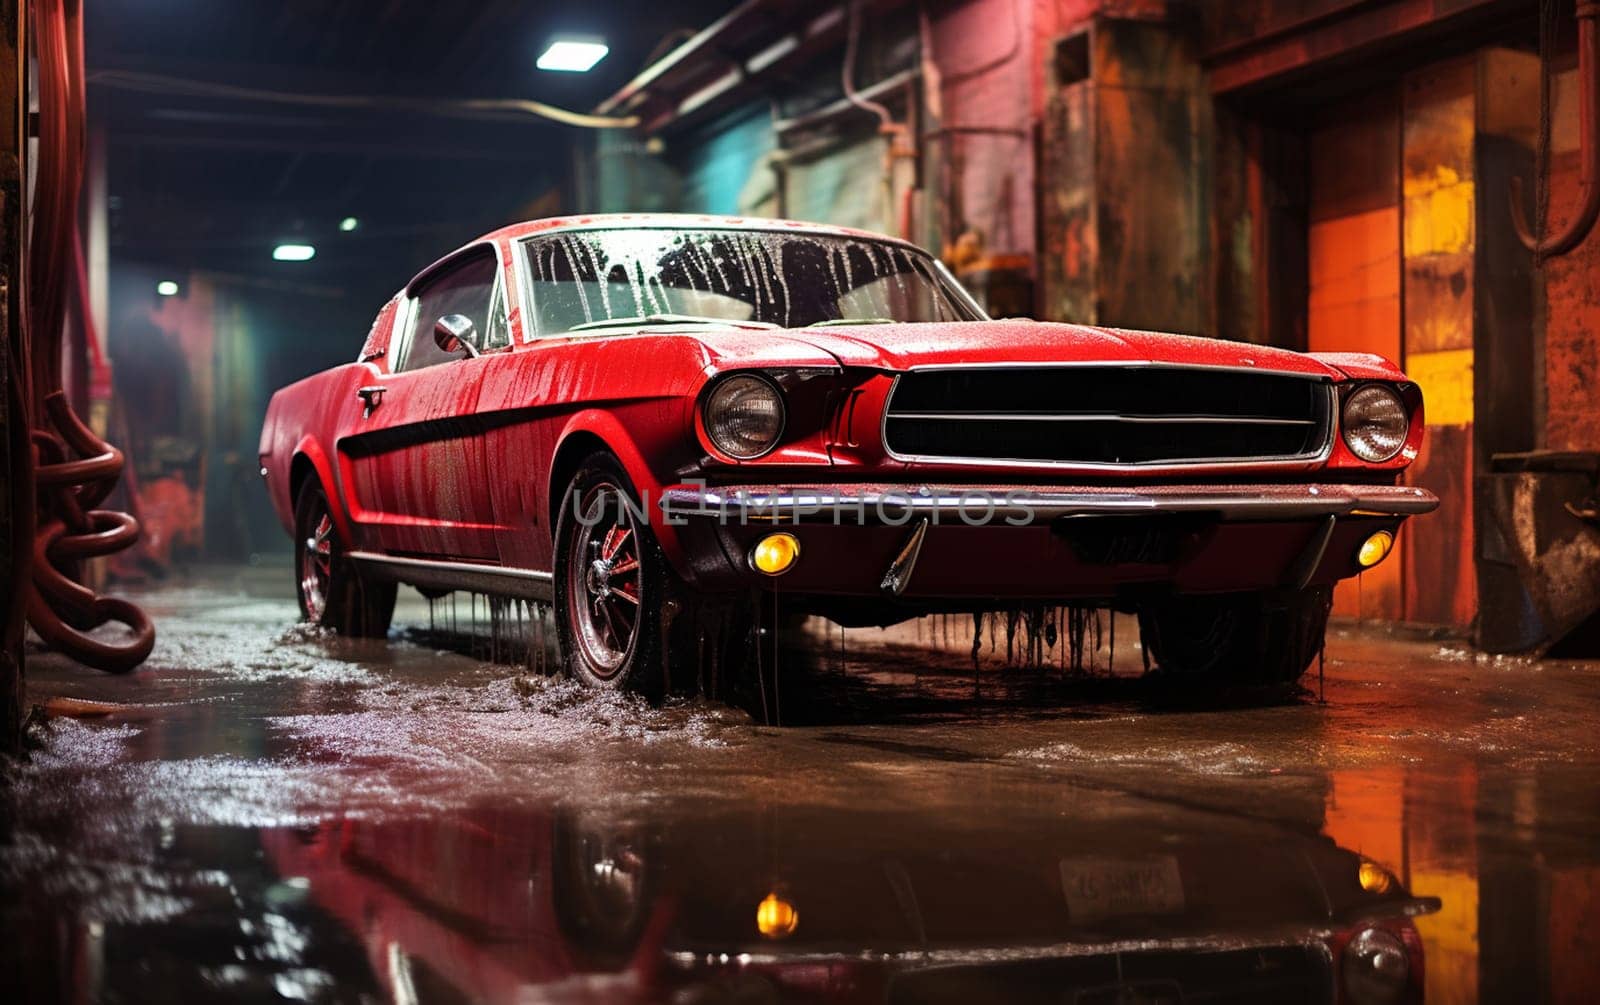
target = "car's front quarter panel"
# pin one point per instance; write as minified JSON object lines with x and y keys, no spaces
{"x":552,"y":400}
{"x":300,"y":429}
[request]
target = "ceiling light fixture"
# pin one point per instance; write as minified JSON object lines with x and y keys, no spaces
{"x":293,"y":253}
{"x":348,"y":224}
{"x":569,"y":55}
{"x":167,"y":288}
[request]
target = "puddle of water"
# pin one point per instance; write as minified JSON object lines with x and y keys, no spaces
{"x":272,"y":813}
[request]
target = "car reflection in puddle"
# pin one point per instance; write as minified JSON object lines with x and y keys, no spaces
{"x":495,"y":904}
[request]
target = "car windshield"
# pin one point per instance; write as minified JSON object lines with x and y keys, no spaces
{"x":590,"y":280}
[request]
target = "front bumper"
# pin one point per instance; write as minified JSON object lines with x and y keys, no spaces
{"x":1018,"y":505}
{"x":981,"y":543}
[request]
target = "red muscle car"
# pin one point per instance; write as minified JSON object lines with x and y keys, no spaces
{"x":638,"y":418}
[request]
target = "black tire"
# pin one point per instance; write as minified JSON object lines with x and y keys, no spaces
{"x":1241,"y":638}
{"x":612,"y":584}
{"x":331,"y":592}
{"x":603,"y":887}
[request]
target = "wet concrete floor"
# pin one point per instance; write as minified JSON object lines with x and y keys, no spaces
{"x":269,"y":813}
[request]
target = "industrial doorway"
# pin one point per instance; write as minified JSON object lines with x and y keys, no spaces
{"x":1395,"y":234}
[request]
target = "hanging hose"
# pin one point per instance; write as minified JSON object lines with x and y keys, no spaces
{"x":75,"y":470}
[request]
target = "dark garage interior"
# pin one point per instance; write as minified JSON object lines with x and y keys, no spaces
{"x":489,"y":500}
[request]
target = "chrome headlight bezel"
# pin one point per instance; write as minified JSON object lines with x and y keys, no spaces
{"x":742,"y":389}
{"x":1375,"y":423}
{"x":1375,"y":966}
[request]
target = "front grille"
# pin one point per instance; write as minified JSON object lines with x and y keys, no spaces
{"x":1108,"y":415}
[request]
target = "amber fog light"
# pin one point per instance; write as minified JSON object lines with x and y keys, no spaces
{"x":1375,"y":549}
{"x":1375,"y":423}
{"x":1374,"y":878}
{"x":744,"y":416}
{"x":775,"y":554}
{"x":776,"y":917}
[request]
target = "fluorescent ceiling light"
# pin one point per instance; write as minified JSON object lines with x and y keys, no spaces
{"x":572,"y":56}
{"x":348,"y":224}
{"x":294,"y":253}
{"x":167,"y":288}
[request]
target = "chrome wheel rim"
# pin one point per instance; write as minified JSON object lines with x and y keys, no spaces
{"x":603,"y":582}
{"x":316,"y":565}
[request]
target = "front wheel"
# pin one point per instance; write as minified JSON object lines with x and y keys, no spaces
{"x":1244,"y":638}
{"x":332,"y":593}
{"x":611,"y":583}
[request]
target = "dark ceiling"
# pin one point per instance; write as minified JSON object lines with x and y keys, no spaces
{"x":215,"y":182}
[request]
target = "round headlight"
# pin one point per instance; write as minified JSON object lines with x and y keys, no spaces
{"x":1375,"y":967}
{"x":1375,"y":423}
{"x":744,"y":416}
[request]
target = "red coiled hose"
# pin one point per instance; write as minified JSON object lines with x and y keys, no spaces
{"x":74,"y":470}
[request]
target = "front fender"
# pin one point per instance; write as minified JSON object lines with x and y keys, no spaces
{"x":605,"y":426}
{"x":323,"y":470}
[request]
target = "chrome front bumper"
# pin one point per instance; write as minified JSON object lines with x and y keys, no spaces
{"x":1021,"y":505}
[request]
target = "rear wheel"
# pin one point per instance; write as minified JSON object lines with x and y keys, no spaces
{"x":611,"y":583}
{"x":332,"y":593}
{"x":1244,"y":638}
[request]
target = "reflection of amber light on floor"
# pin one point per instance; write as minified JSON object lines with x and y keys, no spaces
{"x":1574,"y":935}
{"x":1449,"y":938}
{"x":1364,"y":814}
{"x":1430,"y":848}
{"x":1441,"y":829}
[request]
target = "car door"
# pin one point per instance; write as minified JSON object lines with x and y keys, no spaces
{"x":415,"y":451}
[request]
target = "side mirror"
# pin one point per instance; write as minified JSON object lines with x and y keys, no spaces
{"x":455,"y":333}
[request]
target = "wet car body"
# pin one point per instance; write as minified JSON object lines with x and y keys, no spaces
{"x":928,"y":460}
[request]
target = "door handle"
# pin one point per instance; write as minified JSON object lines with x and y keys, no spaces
{"x":371,"y":396}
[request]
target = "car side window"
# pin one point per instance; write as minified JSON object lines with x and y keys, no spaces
{"x":463,"y":287}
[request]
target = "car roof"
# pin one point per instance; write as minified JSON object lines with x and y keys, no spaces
{"x":677,"y":221}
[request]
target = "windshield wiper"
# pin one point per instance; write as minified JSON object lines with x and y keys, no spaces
{"x":668,"y":319}
{"x":831,"y":322}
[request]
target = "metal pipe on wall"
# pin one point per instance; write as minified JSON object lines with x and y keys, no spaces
{"x":1578,"y":227}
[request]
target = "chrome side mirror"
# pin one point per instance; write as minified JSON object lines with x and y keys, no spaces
{"x":455,"y":333}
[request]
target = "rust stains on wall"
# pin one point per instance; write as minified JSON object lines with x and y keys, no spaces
{"x":1438,"y":192}
{"x":1353,"y":247}
{"x":1572,"y":297}
{"x":1125,"y":211}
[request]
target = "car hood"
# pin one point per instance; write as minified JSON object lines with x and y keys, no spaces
{"x":901,"y":346}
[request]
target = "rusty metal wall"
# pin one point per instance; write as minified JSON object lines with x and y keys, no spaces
{"x":1069,"y":240}
{"x":1125,"y":203}
{"x":1353,"y":246}
{"x":1438,"y":172}
{"x":1571,"y":295}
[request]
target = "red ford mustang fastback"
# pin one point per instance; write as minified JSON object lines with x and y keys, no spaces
{"x":638,"y":418}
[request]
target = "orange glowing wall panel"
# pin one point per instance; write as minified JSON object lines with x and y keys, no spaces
{"x":1439,"y":130}
{"x":1353,"y":248}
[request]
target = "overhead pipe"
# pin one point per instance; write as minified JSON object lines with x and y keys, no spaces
{"x":1550,"y":246}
